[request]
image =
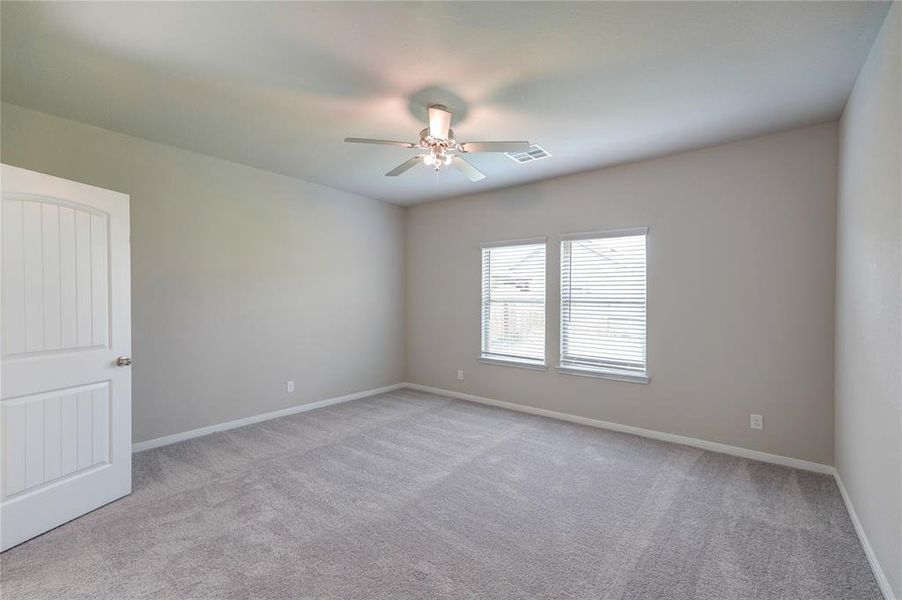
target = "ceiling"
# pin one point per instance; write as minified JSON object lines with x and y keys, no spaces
{"x":279,"y":85}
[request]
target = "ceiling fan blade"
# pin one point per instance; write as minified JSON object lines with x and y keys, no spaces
{"x":404,"y":166}
{"x":439,"y":122}
{"x":386,"y":142}
{"x":467,"y":169}
{"x":495,"y":146}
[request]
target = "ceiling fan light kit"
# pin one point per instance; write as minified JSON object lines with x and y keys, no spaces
{"x":442,"y":149}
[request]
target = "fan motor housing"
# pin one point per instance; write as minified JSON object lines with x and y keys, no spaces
{"x":425,"y":137}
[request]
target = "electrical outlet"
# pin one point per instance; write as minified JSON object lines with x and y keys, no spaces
{"x":756,"y":421}
{"x":460,"y":375}
{"x":289,"y":386}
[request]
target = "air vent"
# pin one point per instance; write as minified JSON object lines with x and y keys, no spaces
{"x":535,"y":152}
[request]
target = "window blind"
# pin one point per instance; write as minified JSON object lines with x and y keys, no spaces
{"x":513,"y":301}
{"x":603,"y":326}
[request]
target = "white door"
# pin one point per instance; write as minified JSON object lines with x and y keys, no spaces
{"x":65,"y":421}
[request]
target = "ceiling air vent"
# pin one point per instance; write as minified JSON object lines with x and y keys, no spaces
{"x":535,"y":152}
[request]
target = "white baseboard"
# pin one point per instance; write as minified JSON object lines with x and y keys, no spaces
{"x":882,"y":581}
{"x":649,"y":433}
{"x":695,"y":443}
{"x":201,"y":431}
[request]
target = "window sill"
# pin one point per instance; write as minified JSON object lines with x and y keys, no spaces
{"x":522,"y":364}
{"x":603,"y":374}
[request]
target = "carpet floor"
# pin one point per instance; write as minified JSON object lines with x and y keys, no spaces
{"x":412,"y":495}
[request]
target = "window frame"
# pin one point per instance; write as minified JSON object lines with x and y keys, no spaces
{"x":600,"y":372}
{"x":513,"y":361}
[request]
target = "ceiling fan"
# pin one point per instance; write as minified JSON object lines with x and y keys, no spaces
{"x":441,"y":147}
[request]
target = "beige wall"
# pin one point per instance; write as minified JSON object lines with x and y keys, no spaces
{"x":740,"y":290}
{"x":241,"y":279}
{"x":236,"y":287}
{"x":869,"y":299}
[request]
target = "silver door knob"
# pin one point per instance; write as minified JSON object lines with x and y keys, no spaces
{"x":123,"y":361}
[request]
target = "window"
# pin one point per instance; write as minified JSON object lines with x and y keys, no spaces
{"x":603,"y":304}
{"x":513,"y":303}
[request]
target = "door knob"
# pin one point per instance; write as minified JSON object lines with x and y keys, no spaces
{"x":123,"y":361}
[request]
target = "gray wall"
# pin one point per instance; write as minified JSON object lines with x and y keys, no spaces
{"x":869,"y":299}
{"x":241,"y":279}
{"x":740,"y":290}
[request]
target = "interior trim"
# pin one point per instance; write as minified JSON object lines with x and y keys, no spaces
{"x":594,"y":235}
{"x":882,"y":581}
{"x":776,"y":459}
{"x":602,"y":373}
{"x":202,"y":431}
{"x":522,"y":364}
{"x":520,"y":242}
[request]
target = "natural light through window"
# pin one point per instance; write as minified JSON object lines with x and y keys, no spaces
{"x":513,"y":302}
{"x":603,"y":326}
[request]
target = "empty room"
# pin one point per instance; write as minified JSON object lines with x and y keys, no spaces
{"x":496,"y":300}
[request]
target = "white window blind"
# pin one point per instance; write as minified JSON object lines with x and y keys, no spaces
{"x":513,"y":302}
{"x":603,"y":304}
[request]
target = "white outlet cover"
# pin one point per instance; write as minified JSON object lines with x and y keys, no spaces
{"x":289,"y":386}
{"x":756,"y":421}
{"x":460,"y":375}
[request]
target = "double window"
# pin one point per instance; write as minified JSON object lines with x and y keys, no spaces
{"x":603,"y":304}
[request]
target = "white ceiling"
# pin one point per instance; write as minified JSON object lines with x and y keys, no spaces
{"x":279,"y":85}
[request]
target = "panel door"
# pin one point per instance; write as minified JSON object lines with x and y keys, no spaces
{"x":65,"y":347}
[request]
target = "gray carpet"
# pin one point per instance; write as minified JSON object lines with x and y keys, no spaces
{"x":411,"y":495}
